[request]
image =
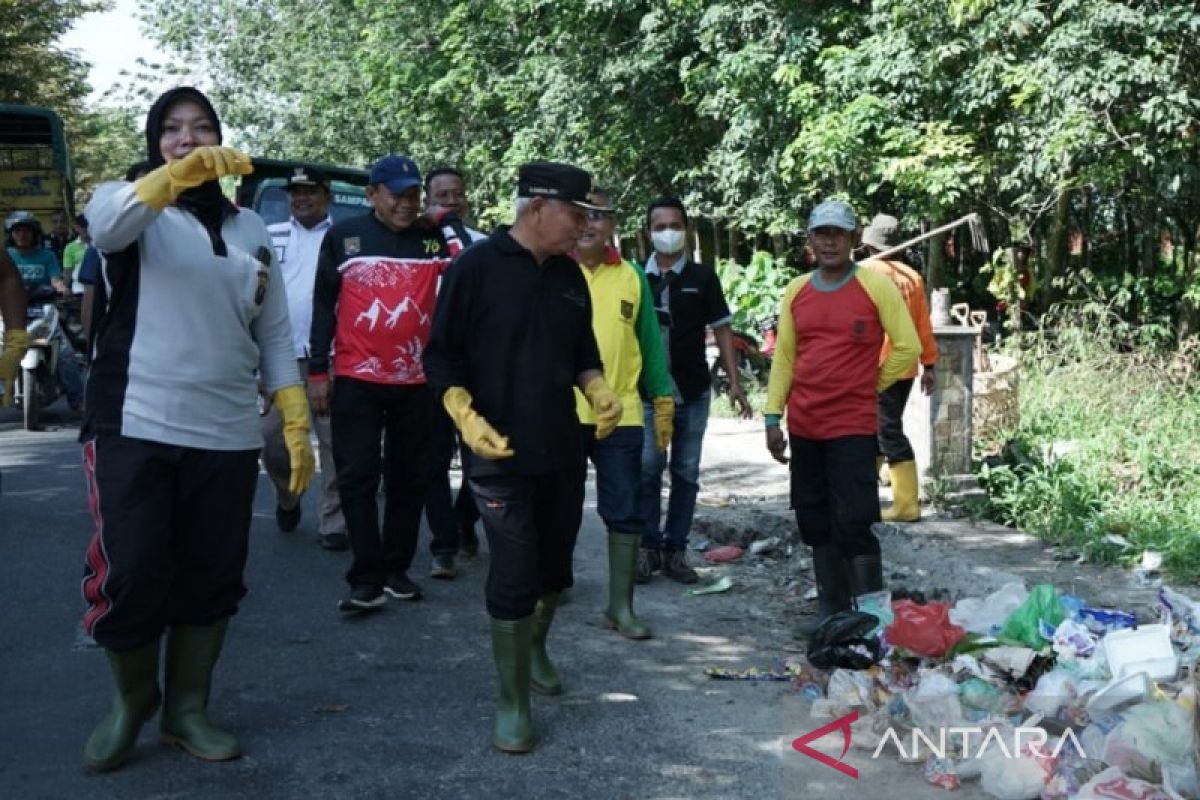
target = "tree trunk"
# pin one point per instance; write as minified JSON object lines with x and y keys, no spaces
{"x":734,"y":243}
{"x":937,"y":259}
{"x":1058,"y":251}
{"x":778,"y":245}
{"x":716,"y":240}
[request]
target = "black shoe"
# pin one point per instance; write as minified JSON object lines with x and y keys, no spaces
{"x":287,"y":520}
{"x":443,"y":568}
{"x":676,"y":568}
{"x":401,"y":588}
{"x":649,"y":562}
{"x":335,"y":541}
{"x":468,"y":542}
{"x":363,"y":597}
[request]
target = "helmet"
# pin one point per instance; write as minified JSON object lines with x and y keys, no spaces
{"x":26,"y":218}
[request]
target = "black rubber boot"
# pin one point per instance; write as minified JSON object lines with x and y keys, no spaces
{"x":192,"y":652}
{"x":511,"y":644}
{"x":543,"y":677}
{"x":135,"y":673}
{"x":866,"y":574}
{"x":833,"y":587}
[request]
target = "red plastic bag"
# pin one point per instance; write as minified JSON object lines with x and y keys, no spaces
{"x":923,"y":629}
{"x":720,"y":555}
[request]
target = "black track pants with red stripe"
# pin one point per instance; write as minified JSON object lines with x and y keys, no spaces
{"x":172,"y":533}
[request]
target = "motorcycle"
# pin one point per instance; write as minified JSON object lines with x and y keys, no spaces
{"x":36,"y":385}
{"x":753,"y":360}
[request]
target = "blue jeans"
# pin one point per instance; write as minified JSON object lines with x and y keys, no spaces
{"x":70,"y":378}
{"x":691,"y":419}
{"x":618,"y":460}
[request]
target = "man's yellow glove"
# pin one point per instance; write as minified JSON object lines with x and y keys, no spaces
{"x":606,"y":404}
{"x":484,"y":440}
{"x":293,"y":407}
{"x":664,"y":422}
{"x":15,"y":345}
{"x":158,"y":189}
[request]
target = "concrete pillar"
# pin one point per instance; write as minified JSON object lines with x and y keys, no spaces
{"x":939,"y":426}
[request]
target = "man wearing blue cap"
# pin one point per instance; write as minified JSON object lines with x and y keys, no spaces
{"x":826,"y":374}
{"x":376,"y":284}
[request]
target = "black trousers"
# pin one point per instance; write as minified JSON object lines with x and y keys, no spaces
{"x":171,"y":538}
{"x":893,"y":444}
{"x":465,"y":510}
{"x":363,"y":413}
{"x":439,"y":508}
{"x":835,"y":492}
{"x":531,"y":523}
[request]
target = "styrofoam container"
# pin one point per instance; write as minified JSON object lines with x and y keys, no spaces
{"x":1133,"y":688}
{"x":1146,"y":648}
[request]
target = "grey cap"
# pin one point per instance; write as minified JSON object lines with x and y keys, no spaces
{"x":832,"y":214}
{"x":882,"y":233}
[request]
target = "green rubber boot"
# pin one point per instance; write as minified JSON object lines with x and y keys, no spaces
{"x":192,"y":652}
{"x":135,"y":673}
{"x":622,"y":567}
{"x":511,"y":645}
{"x":543,"y":677}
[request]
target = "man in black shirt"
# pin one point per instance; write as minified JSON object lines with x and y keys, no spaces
{"x":689,"y":299}
{"x":512,"y":335}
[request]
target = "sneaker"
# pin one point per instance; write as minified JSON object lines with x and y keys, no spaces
{"x":649,"y":562}
{"x":364,"y":597}
{"x":401,"y":588}
{"x":287,"y":520}
{"x":335,"y":541}
{"x":676,"y":568}
{"x":443,"y":567}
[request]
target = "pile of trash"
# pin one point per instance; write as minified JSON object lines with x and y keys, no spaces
{"x":1032,"y":692}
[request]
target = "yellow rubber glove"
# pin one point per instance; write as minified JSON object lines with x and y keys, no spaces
{"x":15,"y":345}
{"x":293,"y":407}
{"x":606,"y":404}
{"x":158,"y":189}
{"x":484,"y":440}
{"x":664,"y":422}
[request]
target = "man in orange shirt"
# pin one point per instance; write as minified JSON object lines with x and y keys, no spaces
{"x":880,"y":235}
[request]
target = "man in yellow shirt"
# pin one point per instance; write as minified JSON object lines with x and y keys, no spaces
{"x":626,"y":329}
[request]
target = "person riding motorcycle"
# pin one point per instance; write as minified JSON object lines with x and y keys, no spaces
{"x":39,"y":268}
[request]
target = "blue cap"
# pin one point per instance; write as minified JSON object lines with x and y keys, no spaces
{"x":832,"y":214}
{"x":397,"y":173}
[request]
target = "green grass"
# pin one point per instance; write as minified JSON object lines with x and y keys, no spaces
{"x":1108,"y":443}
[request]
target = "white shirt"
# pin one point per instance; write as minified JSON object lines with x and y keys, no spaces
{"x":297,"y":248}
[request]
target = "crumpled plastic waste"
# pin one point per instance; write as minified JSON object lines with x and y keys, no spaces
{"x":987,"y":615}
{"x":750,"y":674}
{"x":1105,"y":620}
{"x":852,"y":689}
{"x":1017,"y":778}
{"x":1072,"y":640}
{"x":923,"y":629}
{"x":1054,"y":690}
{"x":878,"y":604}
{"x":843,"y":641}
{"x":941,"y":772}
{"x":934,"y":703}
{"x":1114,"y":784}
{"x":1024,"y":624}
{"x":723,"y":554}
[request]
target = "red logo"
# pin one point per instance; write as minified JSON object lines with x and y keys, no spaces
{"x":800,"y":744}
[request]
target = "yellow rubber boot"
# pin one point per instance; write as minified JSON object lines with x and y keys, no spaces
{"x":906,"y":505}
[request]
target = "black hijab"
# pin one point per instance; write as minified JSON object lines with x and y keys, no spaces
{"x":206,"y":201}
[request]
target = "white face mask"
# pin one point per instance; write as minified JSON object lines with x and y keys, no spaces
{"x":669,"y":241}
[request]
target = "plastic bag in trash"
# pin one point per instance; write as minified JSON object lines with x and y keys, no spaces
{"x":941,"y":772}
{"x":986,"y":615}
{"x":852,"y":689}
{"x":1105,"y":620}
{"x":1023,"y":625}
{"x":880,"y":605}
{"x":1054,"y":690}
{"x":1073,"y":640}
{"x":923,"y":629}
{"x":842,"y":641}
{"x":1114,"y":784}
{"x":933,"y":703}
{"x":1153,"y":735}
{"x":1018,"y":778}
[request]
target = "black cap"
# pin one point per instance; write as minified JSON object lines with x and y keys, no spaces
{"x":557,"y":182}
{"x":307,"y":176}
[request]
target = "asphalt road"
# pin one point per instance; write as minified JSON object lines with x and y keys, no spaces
{"x":399,"y":704}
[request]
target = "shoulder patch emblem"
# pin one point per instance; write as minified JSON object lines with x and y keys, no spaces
{"x":626,"y":309}
{"x":352,"y":245}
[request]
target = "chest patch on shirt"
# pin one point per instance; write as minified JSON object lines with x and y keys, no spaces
{"x":352,"y":245}
{"x":626,"y":309}
{"x":432,"y":246}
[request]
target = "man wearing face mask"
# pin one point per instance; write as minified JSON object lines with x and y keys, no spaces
{"x":688,"y":298}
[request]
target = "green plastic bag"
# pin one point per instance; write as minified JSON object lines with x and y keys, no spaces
{"x":1022,"y":625}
